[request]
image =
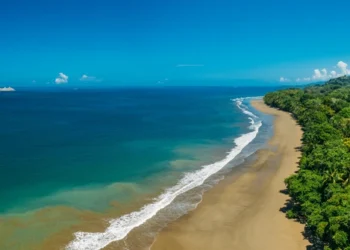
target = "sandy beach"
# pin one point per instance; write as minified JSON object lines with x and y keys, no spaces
{"x":244,"y":213}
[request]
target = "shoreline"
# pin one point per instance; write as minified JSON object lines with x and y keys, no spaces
{"x":97,"y":223}
{"x":245,"y":213}
{"x":148,"y":219}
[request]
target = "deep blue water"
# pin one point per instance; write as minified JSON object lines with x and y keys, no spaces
{"x":56,"y":141}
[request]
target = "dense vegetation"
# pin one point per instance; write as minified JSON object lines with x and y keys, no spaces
{"x":320,"y":190}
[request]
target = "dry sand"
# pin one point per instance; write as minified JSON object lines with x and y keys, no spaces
{"x":245,"y":213}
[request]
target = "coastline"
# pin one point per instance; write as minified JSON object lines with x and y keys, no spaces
{"x":134,"y":226}
{"x":245,"y":213}
{"x":98,"y":223}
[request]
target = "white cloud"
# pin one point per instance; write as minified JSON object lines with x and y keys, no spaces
{"x":320,"y":74}
{"x":317,"y":74}
{"x":323,"y":75}
{"x":283,"y":79}
{"x":62,"y":78}
{"x":333,"y":74}
{"x":343,"y":68}
{"x":86,"y":78}
{"x":83,"y":77}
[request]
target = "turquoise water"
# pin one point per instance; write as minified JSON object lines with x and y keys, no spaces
{"x":87,"y":148}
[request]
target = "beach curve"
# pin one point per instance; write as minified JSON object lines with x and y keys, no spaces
{"x":119,"y":228}
{"x":245,"y":214}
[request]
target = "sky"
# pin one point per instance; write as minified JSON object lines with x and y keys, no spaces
{"x":161,"y":41}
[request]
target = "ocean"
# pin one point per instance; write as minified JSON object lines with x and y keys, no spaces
{"x":116,"y":165}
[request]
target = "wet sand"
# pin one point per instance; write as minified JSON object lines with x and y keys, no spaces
{"x":245,"y":213}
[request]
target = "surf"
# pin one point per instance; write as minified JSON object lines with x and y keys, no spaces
{"x":120,"y":227}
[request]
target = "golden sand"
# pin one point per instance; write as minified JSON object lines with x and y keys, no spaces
{"x":245,"y":213}
{"x":240,"y":213}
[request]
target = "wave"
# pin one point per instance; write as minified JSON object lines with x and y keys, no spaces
{"x":119,"y":228}
{"x":244,"y":108}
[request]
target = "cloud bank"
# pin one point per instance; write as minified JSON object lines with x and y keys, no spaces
{"x":323,"y":74}
{"x":283,"y":79}
{"x":62,"y":78}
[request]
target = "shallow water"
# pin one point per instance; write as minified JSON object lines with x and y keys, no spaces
{"x":88,"y":156}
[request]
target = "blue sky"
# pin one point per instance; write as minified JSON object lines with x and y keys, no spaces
{"x":137,"y":41}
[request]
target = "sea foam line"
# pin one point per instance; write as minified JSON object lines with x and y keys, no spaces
{"x":120,"y":227}
{"x":244,"y":108}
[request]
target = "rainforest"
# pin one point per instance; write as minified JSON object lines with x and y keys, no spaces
{"x":320,"y":191}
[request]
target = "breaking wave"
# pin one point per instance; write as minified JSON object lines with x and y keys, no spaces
{"x":120,"y":227}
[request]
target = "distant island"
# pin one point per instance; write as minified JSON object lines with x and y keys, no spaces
{"x":7,"y":89}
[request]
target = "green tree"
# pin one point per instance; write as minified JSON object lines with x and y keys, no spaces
{"x":320,"y":190}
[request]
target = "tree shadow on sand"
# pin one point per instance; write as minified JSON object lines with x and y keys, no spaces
{"x":316,"y":244}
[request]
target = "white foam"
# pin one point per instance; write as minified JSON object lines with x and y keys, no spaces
{"x":244,"y":108}
{"x":120,"y":227}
